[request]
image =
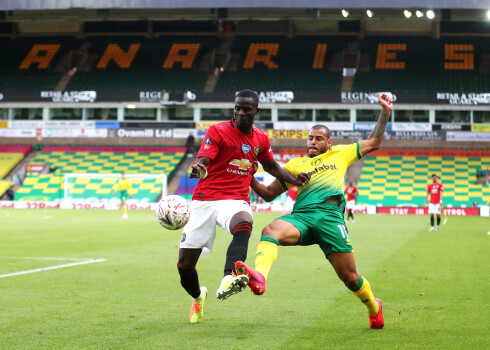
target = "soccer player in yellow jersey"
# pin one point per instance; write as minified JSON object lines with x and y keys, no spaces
{"x":125,"y":189}
{"x":318,"y":214}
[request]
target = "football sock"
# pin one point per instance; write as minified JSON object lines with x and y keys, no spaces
{"x":363,"y":291}
{"x":438,"y":220}
{"x":124,"y":209}
{"x":189,"y":280}
{"x":266,"y":254}
{"x":432,"y":221}
{"x":238,"y":247}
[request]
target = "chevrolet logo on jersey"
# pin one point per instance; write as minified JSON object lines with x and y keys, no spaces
{"x":243,"y":164}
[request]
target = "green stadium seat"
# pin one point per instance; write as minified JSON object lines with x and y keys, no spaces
{"x":146,"y":71}
{"x":51,"y":186}
{"x":378,"y":186}
{"x":294,"y":72}
{"x":427,"y":75}
{"x":14,"y":51}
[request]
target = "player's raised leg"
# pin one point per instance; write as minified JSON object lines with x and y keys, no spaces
{"x":231,"y":284}
{"x":344,"y":264}
{"x":240,"y":226}
{"x":279,"y":232}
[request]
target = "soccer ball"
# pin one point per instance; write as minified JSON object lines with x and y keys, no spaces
{"x":173,"y":212}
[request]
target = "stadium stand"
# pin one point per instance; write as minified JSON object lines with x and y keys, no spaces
{"x":282,"y":64}
{"x":186,"y":186}
{"x":300,"y":64}
{"x":135,"y":63}
{"x":10,"y":156}
{"x":448,"y":64}
{"x":99,"y":160}
{"x":27,"y":63}
{"x":402,"y":180}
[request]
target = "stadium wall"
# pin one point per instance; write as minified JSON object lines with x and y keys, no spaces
{"x":274,"y":142}
{"x":408,"y":143}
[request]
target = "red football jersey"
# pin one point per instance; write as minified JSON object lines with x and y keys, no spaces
{"x":293,"y":192}
{"x":232,"y":153}
{"x":435,"y":190}
{"x":351,"y":192}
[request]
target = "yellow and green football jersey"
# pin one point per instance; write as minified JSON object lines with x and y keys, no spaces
{"x":124,"y":185}
{"x":327,"y":174}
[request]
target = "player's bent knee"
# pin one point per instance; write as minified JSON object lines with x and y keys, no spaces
{"x":269,"y":231}
{"x":282,"y":234}
{"x":351,"y":279}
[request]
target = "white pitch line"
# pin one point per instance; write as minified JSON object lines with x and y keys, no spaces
{"x":52,"y":268}
{"x":42,"y":258}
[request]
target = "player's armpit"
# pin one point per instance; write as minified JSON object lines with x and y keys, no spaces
{"x":268,"y":193}
{"x":366,"y":146}
{"x":273,"y":168}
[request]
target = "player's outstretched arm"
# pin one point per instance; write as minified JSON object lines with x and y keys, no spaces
{"x":267,"y":193}
{"x":275,"y":170}
{"x":200,"y":170}
{"x":374,"y":140}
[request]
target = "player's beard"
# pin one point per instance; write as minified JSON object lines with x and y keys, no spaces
{"x":320,"y":150}
{"x":243,"y":126}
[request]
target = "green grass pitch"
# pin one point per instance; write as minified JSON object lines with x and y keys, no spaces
{"x":434,"y":287}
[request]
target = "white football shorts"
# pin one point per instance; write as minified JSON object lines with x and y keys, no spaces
{"x":434,"y":208}
{"x":200,"y":231}
{"x":289,"y":204}
{"x":350,"y":204}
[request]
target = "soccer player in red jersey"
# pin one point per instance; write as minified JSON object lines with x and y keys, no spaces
{"x":225,"y":168}
{"x":435,"y":190}
{"x":351,"y":192}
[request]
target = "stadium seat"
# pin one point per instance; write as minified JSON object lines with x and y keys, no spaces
{"x":4,"y":186}
{"x":8,"y":161}
{"x":449,"y":65}
{"x":27,"y":64}
{"x":282,"y":64}
{"x":397,"y":181}
{"x":300,"y":64}
{"x":62,"y":162}
{"x":166,"y":63}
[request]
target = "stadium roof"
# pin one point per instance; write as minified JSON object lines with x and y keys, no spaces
{"x":183,"y":4}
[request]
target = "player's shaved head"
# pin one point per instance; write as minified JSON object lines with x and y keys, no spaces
{"x":249,"y":94}
{"x":325,"y":129}
{"x":318,"y":140}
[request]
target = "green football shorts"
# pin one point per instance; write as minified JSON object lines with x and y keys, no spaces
{"x":321,"y":224}
{"x":124,"y":196}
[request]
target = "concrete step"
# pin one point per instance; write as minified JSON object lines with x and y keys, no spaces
{"x":182,"y":170}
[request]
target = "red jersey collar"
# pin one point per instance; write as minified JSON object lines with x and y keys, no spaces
{"x":233,"y":125}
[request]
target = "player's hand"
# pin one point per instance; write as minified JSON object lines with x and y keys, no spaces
{"x":386,"y":102}
{"x":199,"y":171}
{"x":255,"y":166}
{"x":302,"y":179}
